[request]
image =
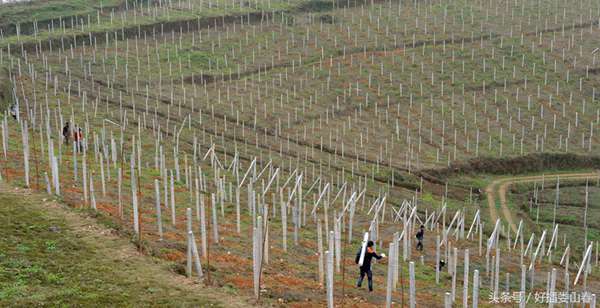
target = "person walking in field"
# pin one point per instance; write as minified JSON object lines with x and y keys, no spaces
{"x":66,"y":132}
{"x":78,"y":139}
{"x":13,"y":111}
{"x":420,"y":235}
{"x":365,"y":269}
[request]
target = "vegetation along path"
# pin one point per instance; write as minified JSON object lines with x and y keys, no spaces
{"x":501,"y":186}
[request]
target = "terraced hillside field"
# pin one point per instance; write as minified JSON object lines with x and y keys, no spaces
{"x":278,"y":132}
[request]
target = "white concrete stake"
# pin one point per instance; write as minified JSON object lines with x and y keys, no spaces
{"x":49,"y":189}
{"x":197,"y":263}
{"x":447,"y":300}
{"x":329,"y":257}
{"x":214,"y":218}
{"x":119,"y":187}
{"x":454,"y":274}
{"x":237,"y":210}
{"x":475,"y":288}
{"x":173,"y":213}
{"x":103,"y":182}
{"x":85,"y":180}
{"x":284,"y":222}
{"x":203,"y":236}
{"x":188,"y":216}
{"x":466,"y":280}
{"x":257,"y":252}
{"x":390,"y":276}
{"x":412,"y":288}
{"x":320,"y":252}
{"x":584,"y":262}
{"x":437,"y":259}
{"x":92,"y":194}
{"x":4,"y":137}
{"x":552,"y":287}
{"x":56,"y":175}
{"x":158,"y":212}
{"x":338,"y":243}
{"x":523,"y":285}
{"x":134,"y":200}
{"x":25,"y":136}
{"x":396,"y":241}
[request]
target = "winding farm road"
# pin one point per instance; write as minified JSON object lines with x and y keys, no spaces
{"x":500,"y":186}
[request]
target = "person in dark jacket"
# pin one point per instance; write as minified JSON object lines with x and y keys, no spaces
{"x":66,"y":132}
{"x":420,"y":235}
{"x":365,"y":269}
{"x":13,"y":111}
{"x":441,"y":265}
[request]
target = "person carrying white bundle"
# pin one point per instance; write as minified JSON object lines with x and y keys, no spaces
{"x":365,"y":268}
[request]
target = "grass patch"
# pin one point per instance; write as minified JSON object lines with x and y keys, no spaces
{"x":45,"y":259}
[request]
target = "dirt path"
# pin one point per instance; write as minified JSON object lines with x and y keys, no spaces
{"x":501,"y":187}
{"x":489,"y":191}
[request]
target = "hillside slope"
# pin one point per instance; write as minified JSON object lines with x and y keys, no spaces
{"x":54,"y":256}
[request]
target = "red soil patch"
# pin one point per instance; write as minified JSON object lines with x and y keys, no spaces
{"x":13,"y":173}
{"x":174,"y":255}
{"x":231,"y":259}
{"x":148,"y":220}
{"x":14,"y":156}
{"x":275,"y":250}
{"x":313,"y":257}
{"x":242,"y":282}
{"x":308,"y":244}
{"x":173,"y":236}
{"x":227,"y":226}
{"x":289,"y":281}
{"x":73,"y":190}
{"x":147,"y":211}
{"x":108,"y":208}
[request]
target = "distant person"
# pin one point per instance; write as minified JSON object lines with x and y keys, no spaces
{"x":420,"y":235}
{"x":66,"y":132}
{"x":441,"y":265}
{"x":365,"y":269}
{"x":13,"y":111}
{"x":78,"y":139}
